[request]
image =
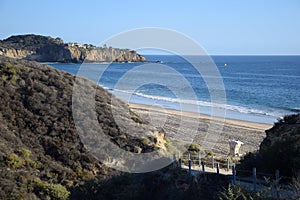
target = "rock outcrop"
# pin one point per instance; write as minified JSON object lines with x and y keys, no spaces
{"x":47,"y":49}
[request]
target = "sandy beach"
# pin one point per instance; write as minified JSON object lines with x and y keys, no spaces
{"x":213,"y":133}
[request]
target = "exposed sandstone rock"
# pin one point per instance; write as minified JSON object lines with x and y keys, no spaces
{"x":47,"y":49}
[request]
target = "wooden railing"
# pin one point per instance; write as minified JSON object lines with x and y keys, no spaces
{"x":253,"y":179}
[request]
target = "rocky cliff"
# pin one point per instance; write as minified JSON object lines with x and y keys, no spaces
{"x":47,"y":49}
{"x":41,"y":153}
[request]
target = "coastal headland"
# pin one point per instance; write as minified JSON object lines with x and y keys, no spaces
{"x":47,"y":49}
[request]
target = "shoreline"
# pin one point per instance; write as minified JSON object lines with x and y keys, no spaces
{"x":250,"y":133}
{"x":234,"y":122}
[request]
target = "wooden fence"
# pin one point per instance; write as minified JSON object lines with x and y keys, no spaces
{"x":252,"y":179}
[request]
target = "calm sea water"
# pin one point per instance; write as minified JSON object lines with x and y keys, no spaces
{"x":258,"y":88}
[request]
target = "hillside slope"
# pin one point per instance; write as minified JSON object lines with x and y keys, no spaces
{"x":41,"y":152}
{"x":47,"y":49}
{"x":280,"y":150}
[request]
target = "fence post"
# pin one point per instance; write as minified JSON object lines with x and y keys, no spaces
{"x":277,"y":183}
{"x":179,"y":160}
{"x":199,"y":156}
{"x":174,"y":160}
{"x":254,"y":178}
{"x":213,"y":162}
{"x":228,"y":164}
{"x":203,"y":168}
{"x":233,"y":175}
{"x":218,"y":168}
{"x":189,"y":162}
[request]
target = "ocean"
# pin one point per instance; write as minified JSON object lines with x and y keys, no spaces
{"x":258,"y":88}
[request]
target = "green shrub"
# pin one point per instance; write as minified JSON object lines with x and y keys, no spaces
{"x":9,"y":72}
{"x":14,"y":161}
{"x":33,"y":164}
{"x":145,"y":141}
{"x":49,"y":190}
{"x":236,"y":192}
{"x":239,"y":192}
{"x":3,"y":78}
{"x":57,"y":191}
{"x":9,"y":68}
{"x":209,"y":153}
{"x":25,"y":153}
{"x":83,"y":174}
{"x":194,"y":148}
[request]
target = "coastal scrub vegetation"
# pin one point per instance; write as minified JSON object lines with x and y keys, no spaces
{"x":280,"y":150}
{"x":167,"y":183}
{"x":38,"y":137}
{"x":239,"y":192}
{"x":45,"y":190}
{"x":9,"y":72}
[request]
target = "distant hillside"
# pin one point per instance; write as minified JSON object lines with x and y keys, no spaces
{"x":47,"y":49}
{"x":41,"y":154}
{"x":279,"y":150}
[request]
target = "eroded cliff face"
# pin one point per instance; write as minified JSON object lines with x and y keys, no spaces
{"x":15,"y":53}
{"x":47,"y":49}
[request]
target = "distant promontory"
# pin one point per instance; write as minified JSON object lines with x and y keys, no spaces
{"x":48,"y":49}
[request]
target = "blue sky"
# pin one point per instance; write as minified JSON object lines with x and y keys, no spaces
{"x":255,"y":27}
